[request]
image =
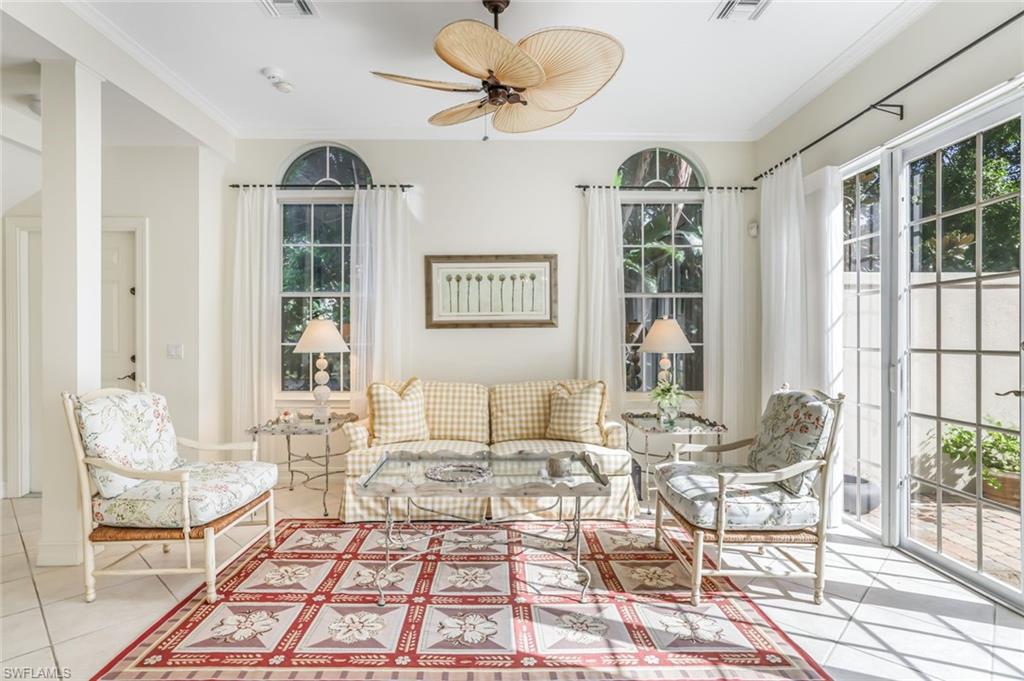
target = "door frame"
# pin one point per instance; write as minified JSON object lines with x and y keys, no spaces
{"x":968,"y":121}
{"x":16,"y":333}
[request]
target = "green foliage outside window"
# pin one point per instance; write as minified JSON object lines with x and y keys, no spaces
{"x":1000,"y":452}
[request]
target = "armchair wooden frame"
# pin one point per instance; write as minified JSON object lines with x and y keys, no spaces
{"x":814,"y":535}
{"x":93,"y":533}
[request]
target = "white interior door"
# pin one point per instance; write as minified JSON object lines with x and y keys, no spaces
{"x":118,"y":310}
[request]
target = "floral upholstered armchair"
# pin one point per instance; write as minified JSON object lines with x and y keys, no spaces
{"x":778,"y":497}
{"x":135,"y":489}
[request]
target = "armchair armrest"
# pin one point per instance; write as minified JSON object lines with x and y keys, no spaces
{"x":174,"y":475}
{"x":697,"y":448}
{"x":358,"y":433}
{"x":250,"y":446}
{"x":770,"y":476}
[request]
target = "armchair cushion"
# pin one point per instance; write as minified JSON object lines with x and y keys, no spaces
{"x":691,"y":488}
{"x":132,"y":430}
{"x":457,"y":411}
{"x":215,"y":489}
{"x":795,"y":427}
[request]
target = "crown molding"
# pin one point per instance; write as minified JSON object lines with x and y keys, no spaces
{"x":473,"y":134}
{"x":887,"y":28}
{"x":112,"y":32}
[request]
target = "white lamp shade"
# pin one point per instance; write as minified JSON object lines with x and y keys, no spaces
{"x":321,"y":335}
{"x":666,"y":336}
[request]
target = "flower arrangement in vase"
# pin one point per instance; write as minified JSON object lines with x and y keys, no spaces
{"x":668,"y":398}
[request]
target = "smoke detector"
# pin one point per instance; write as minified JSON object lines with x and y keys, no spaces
{"x":275,"y":77}
{"x":288,"y":8}
{"x":739,"y":10}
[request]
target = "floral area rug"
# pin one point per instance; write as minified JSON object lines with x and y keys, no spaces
{"x":471,"y":609}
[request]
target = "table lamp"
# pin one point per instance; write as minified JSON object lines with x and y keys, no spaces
{"x":666,"y":337}
{"x":321,"y":335}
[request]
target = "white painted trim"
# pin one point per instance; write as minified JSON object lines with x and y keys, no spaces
{"x":882,"y":32}
{"x":16,"y":306}
{"x":59,"y":553}
{"x":16,"y":473}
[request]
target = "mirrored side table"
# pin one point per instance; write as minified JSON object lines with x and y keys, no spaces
{"x":307,"y":426}
{"x":685,"y":426}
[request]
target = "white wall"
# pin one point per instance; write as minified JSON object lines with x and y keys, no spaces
{"x":493,"y":197}
{"x":935,"y":36}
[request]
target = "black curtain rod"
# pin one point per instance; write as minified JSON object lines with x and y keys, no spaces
{"x":881,"y":104}
{"x":403,"y":187}
{"x":635,"y":187}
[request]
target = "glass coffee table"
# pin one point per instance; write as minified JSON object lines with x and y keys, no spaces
{"x":412,"y":476}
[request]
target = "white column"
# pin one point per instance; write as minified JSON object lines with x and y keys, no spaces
{"x":71,"y":233}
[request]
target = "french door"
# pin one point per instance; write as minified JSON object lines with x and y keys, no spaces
{"x":958,"y":347}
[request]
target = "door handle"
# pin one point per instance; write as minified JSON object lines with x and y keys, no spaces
{"x":1015,"y":393}
{"x":129,"y":376}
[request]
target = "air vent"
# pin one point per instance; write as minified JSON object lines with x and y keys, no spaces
{"x":288,"y":8}
{"x":739,"y":10}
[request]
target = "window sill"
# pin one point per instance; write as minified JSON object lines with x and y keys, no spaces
{"x":305,"y":399}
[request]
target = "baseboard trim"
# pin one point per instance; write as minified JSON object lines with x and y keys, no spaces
{"x":59,"y":554}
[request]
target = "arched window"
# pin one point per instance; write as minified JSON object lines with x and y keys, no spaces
{"x":316,"y":254}
{"x":658,"y":167}
{"x":663,"y":261}
{"x":328,"y":165}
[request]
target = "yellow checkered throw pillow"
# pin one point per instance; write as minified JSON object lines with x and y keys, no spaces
{"x":397,"y":415}
{"x":521,"y":411}
{"x":577,"y":415}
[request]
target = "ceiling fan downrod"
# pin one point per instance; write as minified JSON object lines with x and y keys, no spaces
{"x":495,"y":7}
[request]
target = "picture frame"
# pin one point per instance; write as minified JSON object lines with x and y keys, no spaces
{"x":491,"y":291}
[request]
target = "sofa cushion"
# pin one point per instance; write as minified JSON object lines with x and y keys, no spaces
{"x":397,"y":415}
{"x":576,"y":415}
{"x":609,"y":461}
{"x":214,"y":490}
{"x":521,"y":411}
{"x":457,"y":411}
{"x":795,"y":427}
{"x":691,"y":488}
{"x":131,"y":430}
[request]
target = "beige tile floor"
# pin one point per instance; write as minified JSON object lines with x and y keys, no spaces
{"x":885,"y":616}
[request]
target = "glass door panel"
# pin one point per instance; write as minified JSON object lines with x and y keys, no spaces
{"x":960,"y":347}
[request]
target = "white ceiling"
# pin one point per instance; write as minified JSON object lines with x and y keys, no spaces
{"x":126,"y":121}
{"x":684,"y":77}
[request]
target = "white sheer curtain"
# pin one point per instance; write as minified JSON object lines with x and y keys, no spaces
{"x":823,"y":258}
{"x":255,"y":314}
{"x":380,"y":288}
{"x":731,"y":324}
{"x":784,"y":317}
{"x":601,"y":315}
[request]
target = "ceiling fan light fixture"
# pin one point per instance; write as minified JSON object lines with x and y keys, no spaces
{"x":549,"y":72}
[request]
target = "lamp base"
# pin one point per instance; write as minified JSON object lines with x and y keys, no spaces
{"x":322,"y":392}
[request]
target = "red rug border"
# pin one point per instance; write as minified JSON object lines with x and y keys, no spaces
{"x":260,"y":545}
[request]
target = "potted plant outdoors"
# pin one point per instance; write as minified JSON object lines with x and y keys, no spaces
{"x":668,"y":398}
{"x":1000,"y":461}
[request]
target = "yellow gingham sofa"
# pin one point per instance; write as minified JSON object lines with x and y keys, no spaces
{"x":507,"y":418}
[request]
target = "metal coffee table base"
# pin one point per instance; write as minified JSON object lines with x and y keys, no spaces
{"x":395,"y":539}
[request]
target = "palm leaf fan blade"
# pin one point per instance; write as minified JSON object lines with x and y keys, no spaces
{"x":478,"y":50}
{"x":577,"y":63}
{"x":462,"y":113}
{"x":432,"y":84}
{"x":519,"y":118}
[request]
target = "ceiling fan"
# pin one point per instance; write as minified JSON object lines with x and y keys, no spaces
{"x":533,"y":84}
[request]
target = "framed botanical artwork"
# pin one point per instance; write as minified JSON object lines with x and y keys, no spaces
{"x":491,"y":291}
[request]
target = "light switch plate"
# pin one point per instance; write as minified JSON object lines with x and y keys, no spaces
{"x":175,"y":351}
